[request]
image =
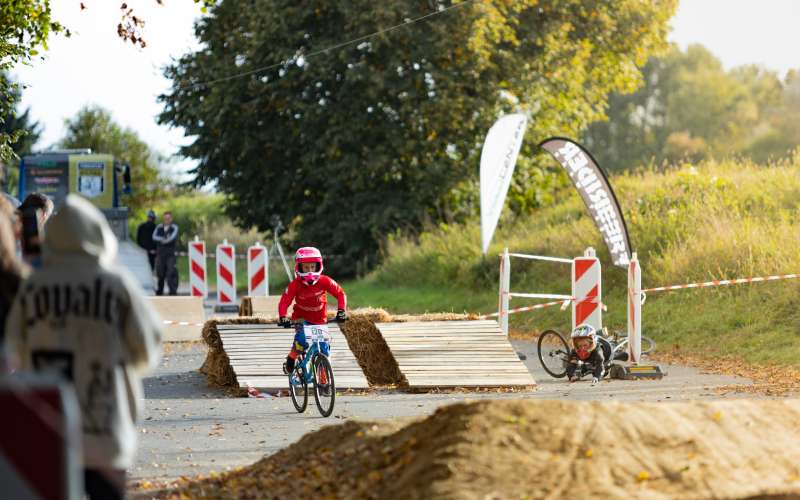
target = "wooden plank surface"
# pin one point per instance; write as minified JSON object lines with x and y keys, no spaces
{"x":454,"y":354}
{"x":257,"y":352}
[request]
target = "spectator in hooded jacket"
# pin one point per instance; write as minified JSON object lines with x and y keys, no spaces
{"x":83,"y":318}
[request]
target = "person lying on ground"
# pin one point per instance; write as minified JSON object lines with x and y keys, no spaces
{"x":586,"y":350}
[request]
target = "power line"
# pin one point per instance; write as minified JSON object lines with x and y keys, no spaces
{"x":332,"y":47}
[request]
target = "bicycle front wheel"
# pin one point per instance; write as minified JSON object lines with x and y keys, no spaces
{"x":553,"y":353}
{"x":298,"y":388}
{"x":324,"y":386}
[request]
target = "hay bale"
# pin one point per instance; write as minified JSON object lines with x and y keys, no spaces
{"x":406,"y":318}
{"x":370,"y":349}
{"x":246,"y":307}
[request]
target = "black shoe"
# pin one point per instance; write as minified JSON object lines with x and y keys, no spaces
{"x":325,"y":390}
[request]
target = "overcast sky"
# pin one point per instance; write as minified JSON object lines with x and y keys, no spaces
{"x":94,"y":66}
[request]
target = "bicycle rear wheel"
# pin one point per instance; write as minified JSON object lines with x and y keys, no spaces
{"x":298,"y":388}
{"x":553,"y":353}
{"x":648,"y":345}
{"x":324,"y":386}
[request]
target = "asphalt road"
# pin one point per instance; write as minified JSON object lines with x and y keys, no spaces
{"x":192,"y":429}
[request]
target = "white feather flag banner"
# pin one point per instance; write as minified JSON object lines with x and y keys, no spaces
{"x":498,"y":159}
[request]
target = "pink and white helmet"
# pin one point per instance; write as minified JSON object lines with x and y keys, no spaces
{"x":308,"y":254}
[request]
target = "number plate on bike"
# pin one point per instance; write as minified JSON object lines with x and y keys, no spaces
{"x":316,"y":333}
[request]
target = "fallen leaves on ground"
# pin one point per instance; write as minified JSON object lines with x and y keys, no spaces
{"x":768,"y":380}
{"x":470,"y":450}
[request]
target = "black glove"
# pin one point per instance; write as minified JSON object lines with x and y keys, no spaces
{"x":284,"y":322}
{"x":341,"y":315}
{"x":288,"y":366}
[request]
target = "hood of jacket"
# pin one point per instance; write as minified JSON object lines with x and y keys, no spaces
{"x":79,"y":229}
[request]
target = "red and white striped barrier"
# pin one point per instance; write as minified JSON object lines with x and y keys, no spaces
{"x":226,"y":274}
{"x":40,"y":438}
{"x":181,"y":323}
{"x":564,"y":304}
{"x":198,"y":279}
{"x":257,"y":271}
{"x":738,"y":281}
{"x":586,"y":288}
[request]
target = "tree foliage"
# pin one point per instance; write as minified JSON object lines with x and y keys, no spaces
{"x":691,"y":108}
{"x":94,"y":127}
{"x":19,"y":125}
{"x":353,"y":143}
{"x":24,"y":27}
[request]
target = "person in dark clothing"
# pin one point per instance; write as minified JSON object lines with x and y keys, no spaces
{"x":12,"y":269}
{"x":144,"y":238}
{"x":586,"y":350}
{"x":166,"y":237}
{"x":36,"y":209}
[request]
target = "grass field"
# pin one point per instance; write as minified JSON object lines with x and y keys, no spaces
{"x":715,"y":220}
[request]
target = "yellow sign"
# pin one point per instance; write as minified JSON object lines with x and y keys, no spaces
{"x":92,"y":176}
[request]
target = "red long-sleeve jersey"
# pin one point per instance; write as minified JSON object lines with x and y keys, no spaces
{"x":311,"y":301}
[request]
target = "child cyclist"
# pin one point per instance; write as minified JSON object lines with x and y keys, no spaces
{"x":309,"y":291}
{"x":586,"y":350}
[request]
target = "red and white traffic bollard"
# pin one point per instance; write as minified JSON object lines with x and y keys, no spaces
{"x":505,"y":290}
{"x":257,"y":271}
{"x":226,"y":274}
{"x":197,"y":268}
{"x":634,"y":310}
{"x":586,"y":290}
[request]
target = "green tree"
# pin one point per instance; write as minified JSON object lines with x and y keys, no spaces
{"x":25,"y":26}
{"x":689,"y":108}
{"x":94,"y":127}
{"x":354,"y":143}
{"x":781,"y":133}
{"x":21,"y":126}
{"x":14,"y":122}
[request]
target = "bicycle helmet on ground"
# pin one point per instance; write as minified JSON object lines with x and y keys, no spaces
{"x":308,"y":254}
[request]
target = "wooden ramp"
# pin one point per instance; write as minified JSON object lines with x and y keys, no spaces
{"x":454,"y":354}
{"x":257,"y":353}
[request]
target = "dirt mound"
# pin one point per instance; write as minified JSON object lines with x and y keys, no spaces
{"x":535,"y":449}
{"x":363,"y":338}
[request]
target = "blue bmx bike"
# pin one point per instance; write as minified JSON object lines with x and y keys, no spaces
{"x":313,"y":368}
